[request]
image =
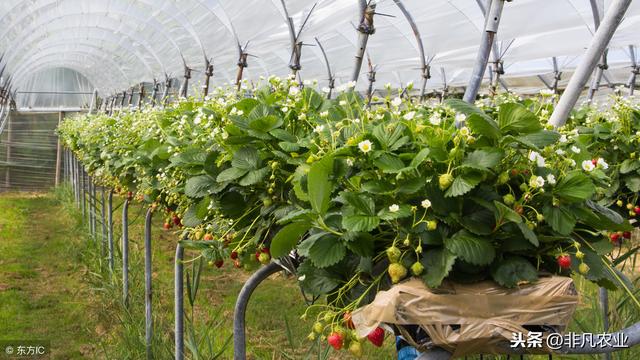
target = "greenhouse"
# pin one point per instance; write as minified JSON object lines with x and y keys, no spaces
{"x":330,"y":179}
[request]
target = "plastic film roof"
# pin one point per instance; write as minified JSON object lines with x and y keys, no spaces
{"x":118,"y":43}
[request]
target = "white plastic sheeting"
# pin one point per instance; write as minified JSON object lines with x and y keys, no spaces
{"x":118,"y":43}
{"x":54,"y":89}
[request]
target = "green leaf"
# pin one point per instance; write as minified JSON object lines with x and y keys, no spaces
{"x":191,"y":218}
{"x":560,"y":219}
{"x":319,"y":185}
{"x":420,"y":158}
{"x":529,"y":234}
{"x":254,"y":176}
{"x":327,"y":251}
{"x":504,"y":212}
{"x":574,"y":187}
{"x":470,"y":248}
{"x":437,"y":263}
{"x":515,"y":118}
{"x":361,"y":203}
{"x":389,"y":164}
{"x":514,"y":271}
{"x":287,"y":238}
{"x":463,"y":184}
{"x":629,"y":165}
{"x":540,"y":139}
{"x":358,"y":223}
{"x":483,"y":159}
{"x":316,"y":281}
{"x":483,"y":125}
{"x":210,"y":166}
{"x":362,"y":244}
{"x":199,"y":186}
{"x":247,"y":158}
{"x":266,"y":124}
{"x":230,"y":174}
{"x":633,"y":183}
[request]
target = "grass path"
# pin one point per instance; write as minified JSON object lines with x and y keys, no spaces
{"x":42,"y":295}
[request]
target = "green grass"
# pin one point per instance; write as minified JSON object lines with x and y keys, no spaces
{"x":55,"y":285}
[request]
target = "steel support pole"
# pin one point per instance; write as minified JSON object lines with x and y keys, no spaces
{"x":147,"y":284}
{"x":178,"y":298}
{"x":125,"y":252}
{"x":103,"y":211}
{"x":239,"y":336}
{"x":492,"y":20}
{"x":365,"y":29}
{"x":94,"y":208}
{"x":83,"y":192}
{"x":110,"y":228}
{"x":604,"y":304}
{"x":599,"y":43}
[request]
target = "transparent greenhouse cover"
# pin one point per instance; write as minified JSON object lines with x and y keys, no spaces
{"x":112,"y":45}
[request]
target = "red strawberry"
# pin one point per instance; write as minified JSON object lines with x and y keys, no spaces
{"x":626,"y":234}
{"x":166,"y":226}
{"x":335,"y":340}
{"x":237,"y":263}
{"x":258,"y":255}
{"x":637,"y":210}
{"x":564,"y":261}
{"x":129,"y":195}
{"x":177,"y":221}
{"x":594,"y":162}
{"x":234,"y":255}
{"x":376,"y":336}
{"x":347,"y":320}
{"x":615,"y":238}
{"x":219,"y":263}
{"x":207,"y":237}
{"x":265,"y":250}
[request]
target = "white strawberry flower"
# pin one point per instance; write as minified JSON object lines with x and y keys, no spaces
{"x":460,"y":118}
{"x":587,"y":165}
{"x":294,"y":90}
{"x":560,"y":152}
{"x":536,"y":181}
{"x":318,"y":129}
{"x":396,"y":102}
{"x":602,"y":164}
{"x":575,"y":149}
{"x":551,"y":179}
{"x":426,"y":203}
{"x":394,"y":208}
{"x":410,"y":115}
{"x":435,"y":119}
{"x":365,"y":146}
{"x":464,"y":131}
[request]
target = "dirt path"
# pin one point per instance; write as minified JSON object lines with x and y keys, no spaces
{"x":42,"y":295}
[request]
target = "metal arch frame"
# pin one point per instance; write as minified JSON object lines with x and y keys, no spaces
{"x":612,"y":19}
{"x":602,"y":65}
{"x":41,"y":38}
{"x":80,"y":61}
{"x":75,"y":65}
{"x":137,"y":17}
{"x":484,"y":52}
{"x":56,"y":50}
{"x":171,"y":14}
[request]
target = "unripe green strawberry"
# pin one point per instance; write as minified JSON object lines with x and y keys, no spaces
{"x":311,"y":336}
{"x":579,"y":255}
{"x":317,"y":327}
{"x":509,"y":199}
{"x":432,"y":225}
{"x":417,"y":268}
{"x":397,"y":272}
{"x":393,"y":253}
{"x":583,"y":268}
{"x":355,"y":349}
{"x":503,"y":178}
{"x":264,"y":258}
{"x":540,"y":217}
{"x":445,"y":180}
{"x":619,"y":203}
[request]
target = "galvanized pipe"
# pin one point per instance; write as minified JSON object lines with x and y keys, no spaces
{"x":125,"y":252}
{"x":604,"y":304}
{"x":599,"y":43}
{"x":94,"y":208}
{"x":178,"y":298}
{"x":103,"y":217}
{"x":110,"y":228}
{"x":492,"y":20}
{"x":365,"y":29}
{"x":239,"y":336}
{"x":147,"y":284}
{"x":82,"y":192}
